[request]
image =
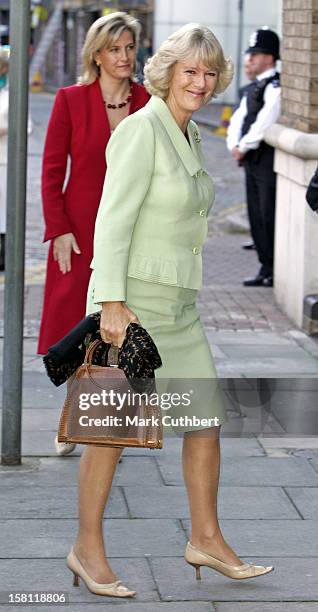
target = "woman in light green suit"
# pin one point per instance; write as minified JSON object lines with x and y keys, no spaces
{"x":147,"y":267}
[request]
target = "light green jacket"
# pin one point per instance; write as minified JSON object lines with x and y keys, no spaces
{"x":152,"y":219}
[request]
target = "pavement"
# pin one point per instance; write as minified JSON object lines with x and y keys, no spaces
{"x":269,"y":477}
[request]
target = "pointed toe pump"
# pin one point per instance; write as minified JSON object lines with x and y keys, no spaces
{"x":113,"y":589}
{"x":198,"y":558}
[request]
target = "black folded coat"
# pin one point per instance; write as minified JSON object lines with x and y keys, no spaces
{"x":138,"y":356}
{"x":312,"y":192}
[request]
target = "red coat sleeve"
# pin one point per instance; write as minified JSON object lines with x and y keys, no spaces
{"x":56,"y":150}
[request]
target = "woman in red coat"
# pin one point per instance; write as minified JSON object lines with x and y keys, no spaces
{"x":80,"y":126}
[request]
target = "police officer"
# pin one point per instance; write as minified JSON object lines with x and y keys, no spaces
{"x":250,"y":74}
{"x":258,"y":110}
{"x":235,"y":126}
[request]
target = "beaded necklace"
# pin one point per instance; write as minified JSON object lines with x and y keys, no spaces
{"x":121,"y":104}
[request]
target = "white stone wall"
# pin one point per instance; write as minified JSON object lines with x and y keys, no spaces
{"x":222,"y":17}
{"x":296,"y":228}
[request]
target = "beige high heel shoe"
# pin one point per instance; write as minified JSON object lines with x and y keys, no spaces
{"x":196,"y":557}
{"x":63,"y":448}
{"x":113,"y":589}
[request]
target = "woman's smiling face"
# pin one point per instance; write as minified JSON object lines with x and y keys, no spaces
{"x":192,"y":85}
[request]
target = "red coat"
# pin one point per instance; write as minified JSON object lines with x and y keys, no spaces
{"x":78,"y":129}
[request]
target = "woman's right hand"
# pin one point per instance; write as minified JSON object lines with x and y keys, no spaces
{"x":114,"y":320}
{"x":62,"y":250}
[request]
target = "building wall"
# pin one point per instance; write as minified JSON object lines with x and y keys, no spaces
{"x":222,"y":17}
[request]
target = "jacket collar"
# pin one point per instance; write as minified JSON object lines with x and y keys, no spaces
{"x":188,"y":154}
{"x":266,"y":74}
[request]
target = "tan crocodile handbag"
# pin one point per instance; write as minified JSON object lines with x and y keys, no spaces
{"x":135,"y":420}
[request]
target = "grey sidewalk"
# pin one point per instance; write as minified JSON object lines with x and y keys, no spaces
{"x":267,"y":508}
{"x":269,"y":481}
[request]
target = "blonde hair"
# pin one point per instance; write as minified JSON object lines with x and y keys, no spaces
{"x":192,"y":40}
{"x":4,"y":57}
{"x":102,"y":33}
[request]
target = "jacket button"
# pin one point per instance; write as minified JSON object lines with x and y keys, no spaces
{"x":202,"y":212}
{"x":195,"y":251}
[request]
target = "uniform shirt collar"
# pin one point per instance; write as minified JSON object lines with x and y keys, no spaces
{"x":266,"y":74}
{"x":188,"y":154}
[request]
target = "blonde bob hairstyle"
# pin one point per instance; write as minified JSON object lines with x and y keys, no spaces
{"x":192,"y":40}
{"x":103,"y":33}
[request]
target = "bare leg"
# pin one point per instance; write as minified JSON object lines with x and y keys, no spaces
{"x":97,"y":469}
{"x":201,"y":470}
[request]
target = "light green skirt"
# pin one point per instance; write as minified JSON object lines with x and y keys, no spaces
{"x":170,"y":316}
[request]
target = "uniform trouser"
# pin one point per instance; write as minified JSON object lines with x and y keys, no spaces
{"x":261,"y":195}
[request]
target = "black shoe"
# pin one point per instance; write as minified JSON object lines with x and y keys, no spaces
{"x":248,"y":246}
{"x":257,"y":281}
{"x":268,"y":281}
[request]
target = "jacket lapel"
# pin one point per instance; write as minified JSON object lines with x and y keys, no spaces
{"x":188,"y":154}
{"x":99,"y":108}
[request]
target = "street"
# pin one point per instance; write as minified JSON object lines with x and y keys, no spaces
{"x":269,"y":479}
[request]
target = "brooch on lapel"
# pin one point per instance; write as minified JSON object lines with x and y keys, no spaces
{"x":196,"y":136}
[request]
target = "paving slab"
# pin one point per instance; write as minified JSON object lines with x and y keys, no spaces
{"x":39,"y":428}
{"x":247,"y":446}
{"x":266,"y":420}
{"x":175,"y":579}
{"x":268,"y":367}
{"x":118,"y":607}
{"x":243,"y":422}
{"x":285,"y":383}
{"x":263,"y":606}
{"x":314,"y":463}
{"x":305,"y":500}
{"x":248,"y":338}
{"x":45,"y":419}
{"x":267,"y":471}
{"x":280,"y":403}
{"x":53,"y":575}
{"x":47,"y":471}
{"x":39,"y":392}
{"x":288,"y":442}
{"x":134,"y":470}
{"x":52,"y":502}
{"x":278,"y":351}
{"x":274,"y":538}
{"x":233,"y":503}
{"x":171,"y":445}
{"x":231,"y":445}
{"x":242,"y":471}
{"x":63,"y":471}
{"x":40,"y":443}
{"x":241,"y":447}
{"x":27,"y":538}
{"x":296,"y":411}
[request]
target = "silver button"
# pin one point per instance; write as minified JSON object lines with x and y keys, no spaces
{"x":195,"y":251}
{"x":202,"y":212}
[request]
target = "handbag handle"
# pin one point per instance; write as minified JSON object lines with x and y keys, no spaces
{"x":112,"y":356}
